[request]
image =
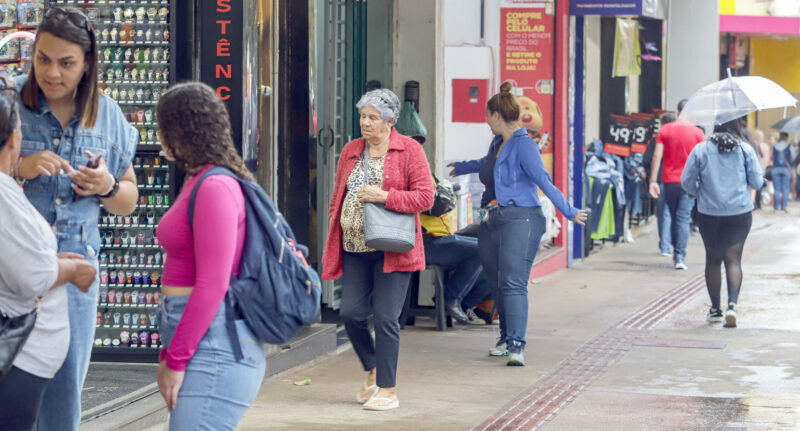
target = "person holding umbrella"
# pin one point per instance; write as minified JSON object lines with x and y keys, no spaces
{"x":718,"y":173}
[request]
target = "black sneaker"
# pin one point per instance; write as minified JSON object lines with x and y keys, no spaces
{"x":516,"y":355}
{"x":730,"y":316}
{"x":714,"y":315}
{"x":486,"y":316}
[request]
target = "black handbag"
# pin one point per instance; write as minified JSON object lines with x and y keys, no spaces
{"x":768,"y":173}
{"x":384,"y":229}
{"x":14,"y":331}
{"x":444,"y":200}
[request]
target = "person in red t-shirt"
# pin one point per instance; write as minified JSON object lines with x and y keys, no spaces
{"x":675,"y":141}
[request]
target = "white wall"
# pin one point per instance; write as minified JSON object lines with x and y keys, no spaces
{"x":592,"y":65}
{"x":692,"y":48}
{"x":465,"y":141}
{"x":462,"y":22}
{"x":466,"y":56}
{"x":415,"y":48}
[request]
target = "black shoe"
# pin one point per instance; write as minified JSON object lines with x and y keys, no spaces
{"x":714,"y":315}
{"x":455,"y":311}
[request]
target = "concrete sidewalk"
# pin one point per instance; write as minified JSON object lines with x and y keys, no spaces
{"x":619,"y":342}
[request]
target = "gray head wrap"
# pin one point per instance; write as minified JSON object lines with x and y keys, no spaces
{"x":384,"y":100}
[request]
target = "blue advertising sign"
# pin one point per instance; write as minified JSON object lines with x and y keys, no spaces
{"x":649,"y":8}
{"x":605,"y":7}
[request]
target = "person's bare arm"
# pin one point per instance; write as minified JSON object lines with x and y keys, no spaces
{"x":655,"y":167}
{"x":73,"y":268}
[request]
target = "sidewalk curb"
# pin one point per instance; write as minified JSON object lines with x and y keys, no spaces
{"x":145,"y":407}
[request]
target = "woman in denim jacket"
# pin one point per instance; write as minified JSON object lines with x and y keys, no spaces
{"x":65,"y":121}
{"x":512,"y":223}
{"x":718,"y":172}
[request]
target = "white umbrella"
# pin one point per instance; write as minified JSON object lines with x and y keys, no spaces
{"x":734,"y":97}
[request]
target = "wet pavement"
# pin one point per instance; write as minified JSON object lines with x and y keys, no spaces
{"x":619,"y":342}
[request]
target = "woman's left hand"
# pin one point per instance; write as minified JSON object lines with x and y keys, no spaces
{"x":88,"y":181}
{"x":372,"y":193}
{"x":169,"y":384}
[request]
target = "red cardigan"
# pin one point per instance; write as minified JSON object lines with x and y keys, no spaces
{"x":407,"y":178}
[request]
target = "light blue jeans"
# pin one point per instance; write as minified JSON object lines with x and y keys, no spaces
{"x":217,"y":390}
{"x":664,"y":220}
{"x":782,"y":177}
{"x":61,"y":403}
{"x":679,"y":204}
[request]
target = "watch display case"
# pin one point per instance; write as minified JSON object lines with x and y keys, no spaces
{"x":135,"y":44}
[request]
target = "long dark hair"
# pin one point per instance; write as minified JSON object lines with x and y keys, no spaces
{"x":73,"y":26}
{"x":9,"y":116}
{"x":195,"y":127}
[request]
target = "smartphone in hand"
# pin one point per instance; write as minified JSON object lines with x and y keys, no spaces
{"x":93,"y":163}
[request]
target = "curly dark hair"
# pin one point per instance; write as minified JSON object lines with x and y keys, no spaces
{"x":195,"y":127}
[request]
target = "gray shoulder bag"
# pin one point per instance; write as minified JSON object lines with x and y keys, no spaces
{"x":386,"y":230}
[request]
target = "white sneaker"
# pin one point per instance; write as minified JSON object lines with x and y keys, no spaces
{"x":473,"y":318}
{"x":730,"y":316}
{"x":499,"y":350}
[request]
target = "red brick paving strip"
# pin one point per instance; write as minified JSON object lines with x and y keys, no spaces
{"x":537,"y":406}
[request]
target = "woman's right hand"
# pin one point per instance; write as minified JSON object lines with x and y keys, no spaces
{"x":453,"y":172}
{"x":581,"y":217}
{"x":45,"y":163}
{"x":85,"y":273}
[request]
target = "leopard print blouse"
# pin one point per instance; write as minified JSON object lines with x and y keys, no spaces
{"x":352,"y":218}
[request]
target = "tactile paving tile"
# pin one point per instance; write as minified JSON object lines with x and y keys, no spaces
{"x":535,"y":407}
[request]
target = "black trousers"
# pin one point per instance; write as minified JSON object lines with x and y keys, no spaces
{"x":363,"y":279}
{"x":20,"y":398}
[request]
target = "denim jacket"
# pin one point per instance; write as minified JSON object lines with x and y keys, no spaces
{"x":720,"y":180}
{"x":75,"y":223}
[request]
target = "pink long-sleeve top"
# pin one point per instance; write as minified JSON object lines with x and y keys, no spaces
{"x":203,"y":258}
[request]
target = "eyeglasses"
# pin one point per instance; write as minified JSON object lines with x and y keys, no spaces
{"x":74,"y":16}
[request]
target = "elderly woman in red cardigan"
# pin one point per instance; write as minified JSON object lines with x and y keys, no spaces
{"x":400,"y":178}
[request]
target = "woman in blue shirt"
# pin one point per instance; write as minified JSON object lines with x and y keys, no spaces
{"x":718,"y":173}
{"x":66,"y":121}
{"x":512,"y":223}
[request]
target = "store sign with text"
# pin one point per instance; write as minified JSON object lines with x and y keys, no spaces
{"x":221,"y":64}
{"x":649,"y":8}
{"x":527,"y":52}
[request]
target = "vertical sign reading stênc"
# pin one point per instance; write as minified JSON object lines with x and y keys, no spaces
{"x":221,"y":62}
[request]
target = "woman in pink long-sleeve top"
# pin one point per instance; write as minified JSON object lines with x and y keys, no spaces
{"x":400,"y":178}
{"x":201,"y":381}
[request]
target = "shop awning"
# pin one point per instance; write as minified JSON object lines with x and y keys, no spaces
{"x":765,"y":25}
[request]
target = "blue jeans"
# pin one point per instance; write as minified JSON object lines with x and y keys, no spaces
{"x":462,"y":253}
{"x":481,"y":291}
{"x":509,"y":240}
{"x":782,"y":177}
{"x":217,"y":390}
{"x":680,"y":206}
{"x":664,"y":220}
{"x":61,"y":404}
